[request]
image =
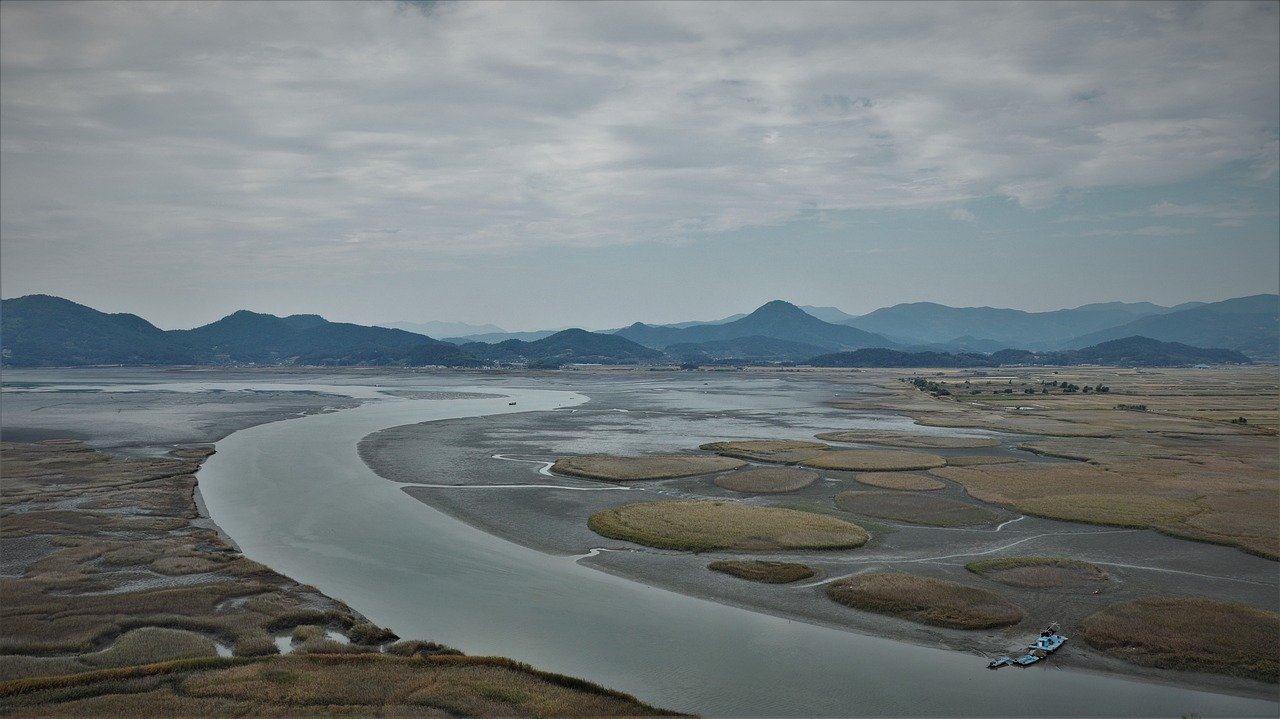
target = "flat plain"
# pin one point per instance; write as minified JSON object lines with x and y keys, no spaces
{"x":1198,"y":525}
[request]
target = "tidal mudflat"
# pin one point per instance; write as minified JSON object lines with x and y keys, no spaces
{"x":303,"y":502}
{"x":642,"y":416}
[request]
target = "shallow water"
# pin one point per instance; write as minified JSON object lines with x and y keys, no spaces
{"x":296,"y":496}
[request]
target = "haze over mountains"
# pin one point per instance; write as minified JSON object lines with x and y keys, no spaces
{"x":40,"y":330}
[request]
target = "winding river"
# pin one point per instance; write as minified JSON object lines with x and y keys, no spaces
{"x":296,"y":496}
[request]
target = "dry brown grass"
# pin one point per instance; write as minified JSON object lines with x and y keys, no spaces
{"x":1208,"y":498}
{"x":767,"y":480}
{"x":778,"y":451}
{"x":702,"y":525}
{"x":900,"y":480}
{"x":926,"y":600}
{"x":874,"y":460}
{"x":1040,"y":572}
{"x":757,"y":570}
{"x":147,"y":651}
{"x":1180,"y":467}
{"x":81,"y":598}
{"x":907,"y":439}
{"x":1190,"y":634}
{"x":975,"y":460}
{"x":915,"y":508}
{"x":364,"y":685}
{"x":626,"y":469}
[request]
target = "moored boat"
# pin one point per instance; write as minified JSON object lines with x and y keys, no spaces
{"x":1047,"y":643}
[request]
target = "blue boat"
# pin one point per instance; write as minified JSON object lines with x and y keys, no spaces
{"x":1047,"y":643}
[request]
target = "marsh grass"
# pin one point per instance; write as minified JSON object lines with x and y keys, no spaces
{"x":159,"y":637}
{"x":151,"y":644}
{"x":1039,"y":572}
{"x":1190,"y":634}
{"x":1216,"y":500}
{"x":777,"y":451}
{"x":418,"y":648}
{"x":255,"y":644}
{"x":625,"y":469}
{"x":926,"y":600}
{"x":767,"y":480}
{"x":701,"y":525}
{"x":900,"y":481}
{"x":874,"y":460}
{"x":915,"y":508}
{"x":975,"y":460}
{"x":908,"y":439}
{"x":757,"y":570}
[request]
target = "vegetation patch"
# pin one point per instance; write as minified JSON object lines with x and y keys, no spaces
{"x":926,"y":600}
{"x":1213,"y":499}
{"x":1120,"y":510}
{"x":349,"y":685}
{"x":80,"y":638}
{"x":767,"y":480}
{"x":874,"y":460}
{"x":908,"y":439}
{"x":702,"y":525}
{"x":624,"y":469}
{"x":758,"y":570}
{"x":900,"y":480}
{"x":1040,"y":572}
{"x":975,"y":460}
{"x":1190,"y":634}
{"x":915,"y":508}
{"x":778,"y":451}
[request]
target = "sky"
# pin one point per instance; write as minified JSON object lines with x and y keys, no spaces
{"x":541,"y":165}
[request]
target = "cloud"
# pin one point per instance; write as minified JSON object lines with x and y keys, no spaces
{"x":246,"y":134}
{"x":962,"y":215}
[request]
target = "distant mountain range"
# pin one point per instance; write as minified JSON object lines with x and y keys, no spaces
{"x":775,"y":320}
{"x":40,"y":330}
{"x":1246,"y":324}
{"x":926,"y":323}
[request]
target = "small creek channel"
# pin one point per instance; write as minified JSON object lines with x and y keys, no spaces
{"x":296,"y":496}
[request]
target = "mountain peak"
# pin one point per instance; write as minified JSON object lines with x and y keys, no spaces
{"x":778,"y":308}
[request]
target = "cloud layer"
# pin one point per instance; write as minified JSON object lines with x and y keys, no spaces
{"x":360,"y":134}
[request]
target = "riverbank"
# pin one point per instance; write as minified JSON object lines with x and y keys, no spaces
{"x":118,"y":600}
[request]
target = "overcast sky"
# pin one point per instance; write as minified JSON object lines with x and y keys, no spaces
{"x":592,"y":164}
